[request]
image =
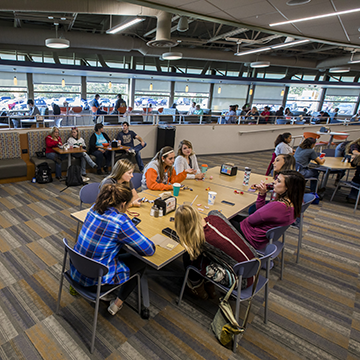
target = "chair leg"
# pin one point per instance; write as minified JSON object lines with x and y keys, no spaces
{"x":145,"y":290}
{"x":77,"y":231}
{"x":300,"y":236}
{"x":266,"y":297}
{"x":59,"y":295}
{"x":282,"y":262}
{"x":237,"y":310}
{"x":183,"y":286}
{"x":357,"y":201}
{"x":139,"y":292}
{"x":94,"y":324}
{"x":336,"y":189}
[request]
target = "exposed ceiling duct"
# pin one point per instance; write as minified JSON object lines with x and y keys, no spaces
{"x":163,"y":32}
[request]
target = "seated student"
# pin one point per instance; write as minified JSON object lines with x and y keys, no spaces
{"x":195,"y":233}
{"x":198,"y":110}
{"x":265,"y":115}
{"x":120,"y":103}
{"x":288,"y":113}
{"x":322,"y":118}
{"x":355,"y":117}
{"x":192,"y":108}
{"x":280,"y":113}
{"x":94,"y":103}
{"x":122,"y":173}
{"x":126,"y":138}
{"x":106,"y":230}
{"x":353,"y":148}
{"x":252,"y":114}
{"x":54,"y":140}
{"x":289,"y":188}
{"x":76,"y":141}
{"x":186,"y":159}
{"x":303,"y":155}
{"x":282,"y":144}
{"x":229,"y":117}
{"x":96,"y":148}
{"x":159,"y":173}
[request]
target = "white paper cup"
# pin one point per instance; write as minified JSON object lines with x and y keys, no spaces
{"x":211,"y":197}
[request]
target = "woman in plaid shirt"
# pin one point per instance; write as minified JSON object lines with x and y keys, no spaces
{"x":106,"y":229}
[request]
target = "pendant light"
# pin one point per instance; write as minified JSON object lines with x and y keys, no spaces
{"x":151,"y":86}
{"x":15,"y":81}
{"x":110,"y":85}
{"x":187,"y":88}
{"x":63,"y":82}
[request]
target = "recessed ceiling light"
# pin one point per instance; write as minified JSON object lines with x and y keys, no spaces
{"x":50,"y":17}
{"x":260,"y":64}
{"x":339,"y":69}
{"x":297,"y":2}
{"x":336,"y":13}
{"x":63,"y":18}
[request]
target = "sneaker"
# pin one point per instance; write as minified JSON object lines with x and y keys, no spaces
{"x":132,"y":151}
{"x":108,"y":297}
{"x":198,"y":290}
{"x":113,"y":309}
{"x":60,"y":178}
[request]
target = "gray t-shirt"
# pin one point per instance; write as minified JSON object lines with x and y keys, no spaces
{"x":113,"y":181}
{"x":304,"y":156}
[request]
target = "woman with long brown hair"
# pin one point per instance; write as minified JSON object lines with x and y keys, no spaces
{"x":105,"y":231}
{"x":54,"y":140}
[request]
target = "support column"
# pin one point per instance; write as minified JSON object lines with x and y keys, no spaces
{"x":83,"y":88}
{"x":131,"y":92}
{"x":30,"y":85}
{"x":284,"y":99}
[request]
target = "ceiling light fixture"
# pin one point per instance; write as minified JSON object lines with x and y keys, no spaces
{"x":252,"y":51}
{"x":336,"y":13}
{"x":110,"y":85}
{"x":121,"y":27}
{"x":15,"y":81}
{"x":151,"y":86}
{"x":219,"y":90}
{"x":297,"y":2}
{"x":339,"y":69}
{"x":63,"y":82}
{"x":57,"y":43}
{"x":352,"y":61}
{"x":292,"y":43}
{"x":260,"y":64}
{"x":171,"y":56}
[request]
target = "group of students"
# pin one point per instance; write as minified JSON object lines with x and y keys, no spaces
{"x":107,"y":227}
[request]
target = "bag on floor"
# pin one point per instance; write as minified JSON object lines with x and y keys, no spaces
{"x":225,"y":326}
{"x":74,"y":177}
{"x":43,"y":173}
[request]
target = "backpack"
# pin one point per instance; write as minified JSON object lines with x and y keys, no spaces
{"x":43,"y":173}
{"x":74,"y":177}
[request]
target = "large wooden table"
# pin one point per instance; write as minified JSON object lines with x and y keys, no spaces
{"x":113,"y":149}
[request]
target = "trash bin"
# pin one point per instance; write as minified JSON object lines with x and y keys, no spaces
{"x":165,"y":136}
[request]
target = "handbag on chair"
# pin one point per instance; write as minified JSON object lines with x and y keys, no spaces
{"x":224,"y":324}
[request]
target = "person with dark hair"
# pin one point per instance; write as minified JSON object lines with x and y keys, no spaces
{"x":288,"y":113}
{"x":53,"y":140}
{"x":322,"y":118}
{"x":96,"y":148}
{"x":120,"y":103}
{"x":303,"y":155}
{"x":253,"y":114}
{"x":280,"y":113}
{"x":105,"y":231}
{"x":159,"y":173}
{"x":289,"y":188}
{"x":282,"y":144}
{"x":126,"y":138}
{"x":32,"y":113}
{"x":174,"y":106}
{"x":265,"y":115}
{"x":192,"y":108}
{"x":56,"y":109}
{"x":96,"y":107}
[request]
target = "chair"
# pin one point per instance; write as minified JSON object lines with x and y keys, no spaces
{"x":244,"y":270}
{"x":299,"y":167}
{"x":121,"y":110}
{"x":274,"y":235}
{"x":136,"y":180}
{"x":91,"y":269}
{"x":300,"y":122}
{"x":281,"y":121}
{"x":63,"y":110}
{"x":308,"y":199}
{"x":58,"y":122}
{"x":88,"y":195}
{"x":348,"y":184}
{"x":160,"y":110}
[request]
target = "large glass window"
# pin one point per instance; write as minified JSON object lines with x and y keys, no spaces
{"x":57,"y":89}
{"x":187,"y":92}
{"x":342,"y":98}
{"x":268,"y":96}
{"x":228,"y":95}
{"x":151,"y":93}
{"x":301,"y":97}
{"x":13,"y":91}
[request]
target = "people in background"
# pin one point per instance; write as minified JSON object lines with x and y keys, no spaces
{"x":76,"y":141}
{"x":282,"y":144}
{"x":119,"y":104}
{"x":192,"y":108}
{"x":96,"y":107}
{"x":54,"y":140}
{"x":229,"y":117}
{"x":159,"y":173}
{"x":186,"y":159}
{"x":105,"y":231}
{"x":196,"y":234}
{"x":303,"y":155}
{"x":173,"y":106}
{"x":280,"y":112}
{"x":245,"y":109}
{"x":96,"y":148}
{"x":322,"y":118}
{"x":122,"y":173}
{"x":265,"y":115}
{"x":126,"y":138}
{"x":288,"y":112}
{"x":252,"y":114}
{"x":356,"y":117}
{"x":56,"y":109}
{"x":289,"y":188}
{"x":32,"y":113}
{"x":198,"y":110}
{"x":353,"y":148}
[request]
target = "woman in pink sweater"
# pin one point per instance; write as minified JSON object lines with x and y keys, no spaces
{"x":289,"y":188}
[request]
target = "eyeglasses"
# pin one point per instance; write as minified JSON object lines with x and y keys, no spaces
{"x":74,"y":128}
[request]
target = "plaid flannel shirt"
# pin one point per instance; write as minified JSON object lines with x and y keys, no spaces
{"x":102,"y":237}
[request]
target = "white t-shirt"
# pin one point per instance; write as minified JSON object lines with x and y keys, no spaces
{"x":283,"y":148}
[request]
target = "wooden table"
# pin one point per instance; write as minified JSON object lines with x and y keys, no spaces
{"x":233,"y":182}
{"x":69,"y":152}
{"x":113,"y":149}
{"x":331,"y":134}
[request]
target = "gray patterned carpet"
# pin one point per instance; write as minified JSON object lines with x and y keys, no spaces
{"x":314,"y":311}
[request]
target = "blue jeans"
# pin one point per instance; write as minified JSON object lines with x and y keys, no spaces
{"x":54,"y":156}
{"x":139,"y":161}
{"x":100,"y":157}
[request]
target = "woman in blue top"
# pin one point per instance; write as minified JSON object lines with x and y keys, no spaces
{"x":96,"y":148}
{"x":105,"y":231}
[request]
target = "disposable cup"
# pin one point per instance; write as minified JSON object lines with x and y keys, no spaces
{"x":322,"y":155}
{"x":211,"y":197}
{"x":176,"y":189}
{"x":204,"y":168}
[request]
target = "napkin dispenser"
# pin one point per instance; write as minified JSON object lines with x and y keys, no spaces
{"x":167,"y":202}
{"x":114,"y":144}
{"x":228,"y":169}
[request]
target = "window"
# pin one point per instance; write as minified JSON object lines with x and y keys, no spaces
{"x":301,"y":97}
{"x":268,"y":96}
{"x":229,"y":95}
{"x":151,"y":93}
{"x":13,"y":96}
{"x":197,"y":92}
{"x":342,"y":98}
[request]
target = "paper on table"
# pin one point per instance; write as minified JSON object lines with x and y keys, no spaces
{"x":164,"y":242}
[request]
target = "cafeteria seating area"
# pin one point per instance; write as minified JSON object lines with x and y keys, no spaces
{"x":313,"y":311}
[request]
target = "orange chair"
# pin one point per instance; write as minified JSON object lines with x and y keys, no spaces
{"x":315,"y":136}
{"x":130,"y":109}
{"x":122,"y":110}
{"x":63,"y":110}
{"x":76,"y":109}
{"x":160,"y":110}
{"x":147,"y":110}
{"x":94,"y":109}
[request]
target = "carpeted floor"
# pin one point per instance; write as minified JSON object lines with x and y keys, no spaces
{"x":314,"y":311}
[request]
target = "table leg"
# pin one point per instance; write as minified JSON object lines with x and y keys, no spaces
{"x":330,"y":141}
{"x":69,"y":160}
{"x":112,"y":159}
{"x":325,"y":179}
{"x":145,"y":290}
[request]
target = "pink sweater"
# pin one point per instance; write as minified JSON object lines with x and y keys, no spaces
{"x":265,"y":217}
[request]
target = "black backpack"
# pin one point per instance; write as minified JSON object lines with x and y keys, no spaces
{"x":43,"y":173}
{"x":74,"y":177}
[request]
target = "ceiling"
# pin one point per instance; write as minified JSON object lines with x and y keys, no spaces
{"x":217,"y":29}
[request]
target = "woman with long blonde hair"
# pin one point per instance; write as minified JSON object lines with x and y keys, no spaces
{"x":159,"y":173}
{"x":195,"y":233}
{"x":122,"y":173}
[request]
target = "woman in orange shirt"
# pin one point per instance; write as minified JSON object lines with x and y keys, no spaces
{"x":159,"y":173}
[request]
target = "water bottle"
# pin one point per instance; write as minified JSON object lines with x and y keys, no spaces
{"x":246,"y":176}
